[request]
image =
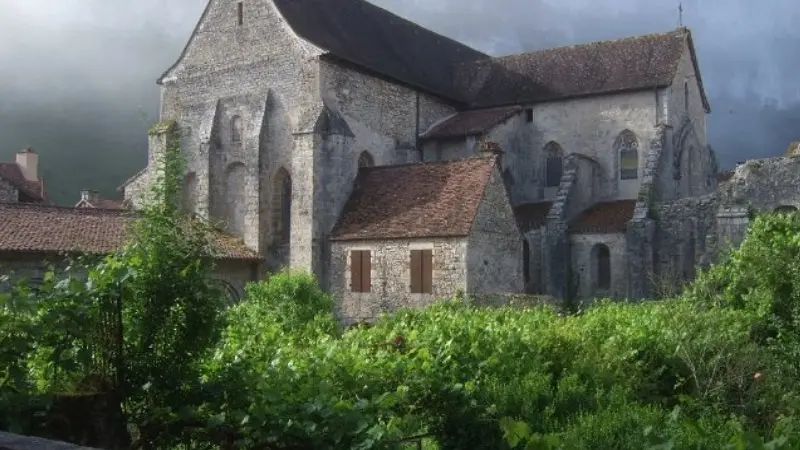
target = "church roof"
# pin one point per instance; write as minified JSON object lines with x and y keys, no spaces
{"x":54,"y":229}
{"x":12,"y":173}
{"x":420,"y":200}
{"x":370,"y":37}
{"x":605,"y":217}
{"x":470,"y":123}
{"x":373,"y":38}
{"x":603,"y":67}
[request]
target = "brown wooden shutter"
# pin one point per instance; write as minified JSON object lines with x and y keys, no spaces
{"x":355,"y":271}
{"x":427,"y":271}
{"x":366,"y":271}
{"x":416,"y":271}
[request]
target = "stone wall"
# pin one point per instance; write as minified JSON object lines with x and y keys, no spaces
{"x":590,"y":126}
{"x":521,"y":164}
{"x":581,"y":186}
{"x":8,"y":193}
{"x":764,"y":184}
{"x":583,"y":249}
{"x":244,"y":97}
{"x":536,"y":284}
{"x":390,"y":276}
{"x":494,"y":261}
{"x":685,"y":237}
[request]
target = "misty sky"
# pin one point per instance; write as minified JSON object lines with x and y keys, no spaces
{"x":77,"y":77}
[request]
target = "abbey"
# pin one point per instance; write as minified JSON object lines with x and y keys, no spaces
{"x":399,"y":166}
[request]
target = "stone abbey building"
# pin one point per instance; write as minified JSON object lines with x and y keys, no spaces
{"x":399,"y":165}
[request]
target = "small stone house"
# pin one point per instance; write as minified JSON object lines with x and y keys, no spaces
{"x":413,"y":233}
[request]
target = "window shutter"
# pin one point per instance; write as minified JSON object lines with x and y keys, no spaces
{"x":355,"y":271}
{"x":366,"y":271}
{"x":416,"y":271}
{"x":427,"y":271}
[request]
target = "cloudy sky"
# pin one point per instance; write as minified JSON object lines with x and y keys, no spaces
{"x":77,"y":77}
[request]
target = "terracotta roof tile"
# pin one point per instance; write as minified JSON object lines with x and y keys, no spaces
{"x":633,"y":63}
{"x":469,"y":123}
{"x":433,"y":199}
{"x":11,"y":172}
{"x":532,"y":215}
{"x":42,"y":228}
{"x":606,"y":217}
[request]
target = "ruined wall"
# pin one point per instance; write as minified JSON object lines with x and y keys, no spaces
{"x":8,"y":193}
{"x":391,"y":276}
{"x":583,"y":248}
{"x":764,"y":184}
{"x":494,"y":261}
{"x":685,"y":237}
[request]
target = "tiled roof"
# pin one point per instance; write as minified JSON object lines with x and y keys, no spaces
{"x":606,"y":217}
{"x":12,"y":173}
{"x":53,"y":229}
{"x":633,"y":63}
{"x":433,"y":199}
{"x":532,"y":215}
{"x":469,"y":123}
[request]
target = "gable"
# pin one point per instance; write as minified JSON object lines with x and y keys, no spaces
{"x":219,"y":41}
{"x":689,"y":67}
{"x":495,"y":213}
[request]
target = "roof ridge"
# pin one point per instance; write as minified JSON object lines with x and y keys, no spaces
{"x":51,"y":207}
{"x":682,"y":31}
{"x":491,"y":158}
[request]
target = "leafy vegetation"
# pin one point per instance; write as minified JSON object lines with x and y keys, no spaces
{"x":712,"y":369}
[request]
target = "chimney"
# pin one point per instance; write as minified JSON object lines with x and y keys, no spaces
{"x":28,"y":162}
{"x":89,"y":195}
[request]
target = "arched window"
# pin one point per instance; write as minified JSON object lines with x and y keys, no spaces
{"x":236,"y":129}
{"x":627,"y":147}
{"x":282,"y":206}
{"x":602,"y":256}
{"x":554,"y":165}
{"x":786,"y":209}
{"x":686,"y":96}
{"x":365,"y":160}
